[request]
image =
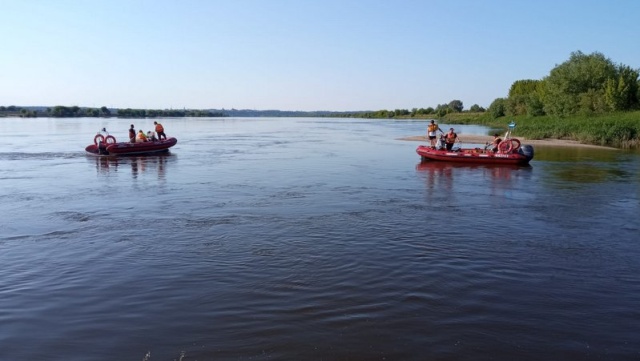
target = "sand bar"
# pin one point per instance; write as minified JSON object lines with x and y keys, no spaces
{"x":469,"y":140}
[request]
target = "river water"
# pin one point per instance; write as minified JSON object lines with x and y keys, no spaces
{"x":311,"y":239}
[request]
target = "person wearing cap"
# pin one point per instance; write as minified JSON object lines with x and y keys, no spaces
{"x":450,"y":138}
{"x":431,"y":133}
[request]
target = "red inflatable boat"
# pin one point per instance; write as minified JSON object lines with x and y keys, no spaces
{"x":108,"y":146}
{"x":519,"y":155}
{"x":509,"y":151}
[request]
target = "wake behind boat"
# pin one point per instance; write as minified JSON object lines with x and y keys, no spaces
{"x":509,"y":151}
{"x":108,"y":146}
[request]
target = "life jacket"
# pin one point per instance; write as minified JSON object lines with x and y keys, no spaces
{"x":451,"y":137}
{"x":159,"y":128}
{"x":432,"y":127}
{"x":142,"y":137}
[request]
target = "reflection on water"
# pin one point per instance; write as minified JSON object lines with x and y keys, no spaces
{"x":439,"y":174}
{"x":568,"y":166}
{"x":443,"y":173}
{"x":496,"y":171}
{"x":448,"y":184}
{"x":137,"y":164}
{"x":574,"y":154}
{"x":589,"y":173}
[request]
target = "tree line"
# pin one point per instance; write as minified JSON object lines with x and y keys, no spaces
{"x":153,"y":113}
{"x":454,"y":106}
{"x":15,"y":111}
{"x":583,"y":85}
{"x":60,"y":111}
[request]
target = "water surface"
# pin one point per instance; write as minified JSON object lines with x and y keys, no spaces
{"x":294,"y":239}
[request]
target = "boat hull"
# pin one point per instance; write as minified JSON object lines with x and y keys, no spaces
{"x":473,"y":156}
{"x":126,"y":148}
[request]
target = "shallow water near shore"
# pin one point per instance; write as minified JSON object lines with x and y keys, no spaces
{"x":303,"y":238}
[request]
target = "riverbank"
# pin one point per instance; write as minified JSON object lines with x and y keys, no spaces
{"x":468,"y":140}
{"x":620,"y":130}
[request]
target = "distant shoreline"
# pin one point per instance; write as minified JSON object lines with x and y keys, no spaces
{"x":482,"y":139}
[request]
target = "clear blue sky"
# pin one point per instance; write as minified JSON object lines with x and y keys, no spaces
{"x":296,"y":54}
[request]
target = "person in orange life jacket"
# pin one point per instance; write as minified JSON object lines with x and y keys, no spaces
{"x":160,"y":131}
{"x":450,"y":138}
{"x":141,"y":136}
{"x":431,"y":133}
{"x":496,"y":141}
{"x":132,"y":134}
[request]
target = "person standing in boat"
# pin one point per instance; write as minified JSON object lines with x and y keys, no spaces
{"x":450,"y":138}
{"x":431,"y":133}
{"x":132,"y":134}
{"x":160,"y":131}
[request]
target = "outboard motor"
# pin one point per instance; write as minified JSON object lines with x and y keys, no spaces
{"x":526,"y":150}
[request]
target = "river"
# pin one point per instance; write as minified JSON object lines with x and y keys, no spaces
{"x":311,"y":239}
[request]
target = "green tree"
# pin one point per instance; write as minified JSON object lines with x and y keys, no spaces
{"x":456,"y":106}
{"x":579,"y":78}
{"x":621,"y":92}
{"x":592,"y":102}
{"x":516,"y":105}
{"x":442,"y":110}
{"x":401,"y":112}
{"x":525,"y":97}
{"x":92,"y":112}
{"x":498,"y":107}
{"x":523,"y":87}
{"x":535,"y":106}
{"x":476,"y":109}
{"x":60,"y":111}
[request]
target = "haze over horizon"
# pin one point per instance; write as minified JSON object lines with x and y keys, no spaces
{"x":296,"y":55}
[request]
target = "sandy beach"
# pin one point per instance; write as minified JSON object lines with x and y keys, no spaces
{"x":482,"y":139}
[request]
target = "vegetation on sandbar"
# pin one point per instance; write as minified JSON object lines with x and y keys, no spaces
{"x":619,"y":130}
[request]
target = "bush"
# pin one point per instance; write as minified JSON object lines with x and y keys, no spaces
{"x":497,"y":109}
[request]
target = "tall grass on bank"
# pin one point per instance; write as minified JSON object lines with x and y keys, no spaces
{"x":620,"y":130}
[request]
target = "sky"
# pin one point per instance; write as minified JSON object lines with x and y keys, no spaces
{"x":297,"y":55}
